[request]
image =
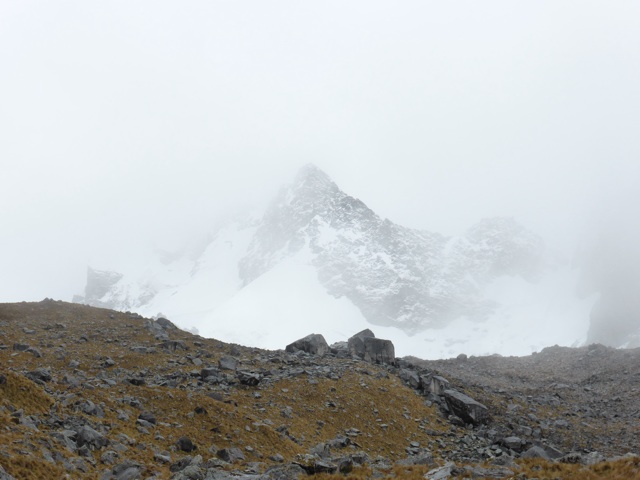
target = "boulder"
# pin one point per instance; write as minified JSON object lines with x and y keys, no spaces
{"x":148,"y":417}
{"x":315,"y":344}
{"x":366,"y":346}
{"x":535,"y":452}
{"x":185,"y":444}
{"x":513,"y":443}
{"x":356,"y":343}
{"x":466,"y":407}
{"x":249,"y":378}
{"x":165,"y":324}
{"x":438,"y":385}
{"x":411,"y":377}
{"x":92,"y":438}
{"x":230,"y":455}
{"x":340,"y":349}
{"x":40,"y":374}
{"x":377,"y":350}
{"x":228,"y":363}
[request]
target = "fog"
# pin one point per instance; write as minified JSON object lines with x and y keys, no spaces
{"x":131,"y":125}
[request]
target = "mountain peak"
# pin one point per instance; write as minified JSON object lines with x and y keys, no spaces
{"x":310,"y":177}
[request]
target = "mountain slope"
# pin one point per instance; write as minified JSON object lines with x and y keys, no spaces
{"x":93,"y":393}
{"x":394,"y":276}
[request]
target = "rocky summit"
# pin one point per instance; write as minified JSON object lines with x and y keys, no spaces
{"x":92,"y":393}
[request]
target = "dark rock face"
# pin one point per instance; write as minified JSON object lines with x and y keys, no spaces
{"x":314,"y":344}
{"x":466,"y":407}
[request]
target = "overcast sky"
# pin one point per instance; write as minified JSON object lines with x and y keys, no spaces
{"x":122,"y":122}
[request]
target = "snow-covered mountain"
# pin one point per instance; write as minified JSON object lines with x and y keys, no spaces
{"x":320,"y":260}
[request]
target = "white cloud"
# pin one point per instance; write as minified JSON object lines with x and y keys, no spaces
{"x":122,"y":123}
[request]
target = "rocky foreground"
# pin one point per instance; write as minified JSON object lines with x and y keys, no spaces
{"x":92,"y":393}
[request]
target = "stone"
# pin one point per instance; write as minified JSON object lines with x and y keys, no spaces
{"x":34,"y":351}
{"x":148,"y":417}
{"x":166,"y":324}
{"x":248,"y":378}
{"x":314,"y":344}
{"x":340,"y":349}
{"x":514,"y":443}
{"x":185,"y":444}
{"x":378,"y":350}
{"x":489,"y":472}
{"x":411,"y":377}
{"x":355,"y":344}
{"x":440,"y":473}
{"x":109,"y":457}
{"x":173,"y":345}
{"x":230,"y":455}
{"x":466,"y":407}
{"x":535,"y":452}
{"x":438,"y":385}
{"x":127,"y":470}
{"x":366,"y":346}
{"x":228,"y":363}
{"x":66,"y":438}
{"x":40,"y":375}
{"x":209,"y":372}
{"x":92,"y":438}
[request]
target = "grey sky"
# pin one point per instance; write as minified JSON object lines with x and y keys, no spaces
{"x":125,"y":121}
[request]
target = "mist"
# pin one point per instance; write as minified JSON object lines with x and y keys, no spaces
{"x":132,"y":127}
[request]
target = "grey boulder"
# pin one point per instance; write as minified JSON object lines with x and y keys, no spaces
{"x":466,"y":407}
{"x":314,"y":344}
